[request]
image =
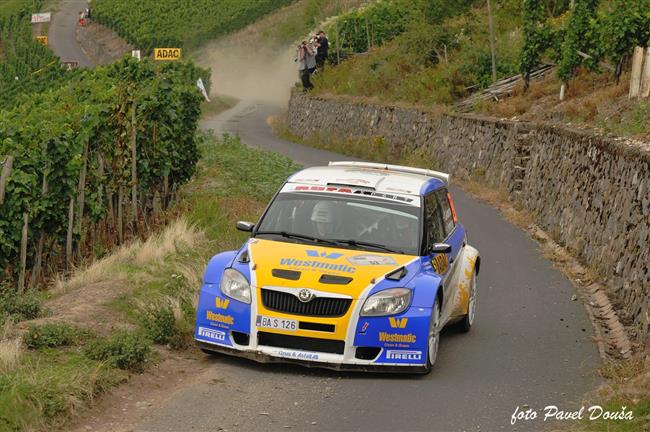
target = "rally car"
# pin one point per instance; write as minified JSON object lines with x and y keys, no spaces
{"x":354,"y":265}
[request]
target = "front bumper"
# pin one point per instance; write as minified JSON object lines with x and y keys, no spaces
{"x":261,"y":356}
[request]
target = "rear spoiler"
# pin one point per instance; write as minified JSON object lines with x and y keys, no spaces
{"x":396,"y":168}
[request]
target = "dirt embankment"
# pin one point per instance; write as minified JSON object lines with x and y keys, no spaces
{"x":101,"y":44}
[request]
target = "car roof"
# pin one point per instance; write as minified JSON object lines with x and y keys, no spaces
{"x":380,"y":177}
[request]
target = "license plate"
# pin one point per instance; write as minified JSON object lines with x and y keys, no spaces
{"x":277,"y":323}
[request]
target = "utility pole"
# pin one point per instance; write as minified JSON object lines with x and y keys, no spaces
{"x":491,"y":25}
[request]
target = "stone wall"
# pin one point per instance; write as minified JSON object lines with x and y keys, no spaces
{"x":590,"y":193}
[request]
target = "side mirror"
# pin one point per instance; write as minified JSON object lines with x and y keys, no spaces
{"x":440,"y":248}
{"x":245,"y":226}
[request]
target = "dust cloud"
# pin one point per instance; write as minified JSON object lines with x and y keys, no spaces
{"x":250,"y":71}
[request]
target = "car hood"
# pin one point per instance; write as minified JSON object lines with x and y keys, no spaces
{"x":329,"y":269}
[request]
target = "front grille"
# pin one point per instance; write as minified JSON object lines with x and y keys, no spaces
{"x":318,"y":307}
{"x":300,"y":343}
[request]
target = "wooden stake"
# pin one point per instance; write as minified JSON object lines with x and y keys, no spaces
{"x":368,"y":34}
{"x":36,"y":272}
{"x":120,"y":225}
{"x":338,"y":46}
{"x":635,"y":76}
{"x":23,"y":253}
{"x":68,"y":239}
{"x":645,"y":76}
{"x":4,"y":176}
{"x":491,"y":25}
{"x":82,"y":196}
{"x":134,"y":172}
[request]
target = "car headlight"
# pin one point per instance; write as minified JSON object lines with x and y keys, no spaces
{"x":387,"y":302}
{"x":235,"y":285}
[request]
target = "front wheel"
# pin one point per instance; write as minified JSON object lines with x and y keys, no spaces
{"x":468,"y":320}
{"x":433,"y":340}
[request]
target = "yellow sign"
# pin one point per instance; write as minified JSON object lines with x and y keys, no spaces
{"x":166,"y":53}
{"x":41,"y":40}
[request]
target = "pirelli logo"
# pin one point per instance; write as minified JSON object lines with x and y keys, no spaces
{"x":398,"y":322}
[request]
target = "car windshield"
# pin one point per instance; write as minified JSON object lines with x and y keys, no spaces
{"x":349,"y":221}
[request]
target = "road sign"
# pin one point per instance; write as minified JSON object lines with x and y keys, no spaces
{"x":41,"y":40}
{"x":166,"y":53}
{"x":41,"y":17}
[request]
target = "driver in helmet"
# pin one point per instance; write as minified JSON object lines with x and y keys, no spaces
{"x":324,"y":217}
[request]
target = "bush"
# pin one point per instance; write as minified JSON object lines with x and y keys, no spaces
{"x":51,"y":336}
{"x":123,"y":350}
{"x":19,"y":307}
{"x":168,"y":322}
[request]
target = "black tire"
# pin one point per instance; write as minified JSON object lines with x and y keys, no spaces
{"x":434,"y":331}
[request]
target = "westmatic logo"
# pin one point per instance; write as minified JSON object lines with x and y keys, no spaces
{"x":221,"y":303}
{"x":316,"y":254}
{"x":317,"y":264}
{"x":398,"y":322}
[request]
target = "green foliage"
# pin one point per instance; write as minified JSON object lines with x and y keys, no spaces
{"x":50,"y":385}
{"x":581,"y":35}
{"x":19,"y":307}
{"x":49,"y":133}
{"x":438,"y":58}
{"x":624,"y":24}
{"x":52,"y":335}
{"x":150,"y":24}
{"x":371,"y":25}
{"x":123,"y":350}
{"x":535,"y":42}
{"x":25,"y":65}
{"x":383,"y":20}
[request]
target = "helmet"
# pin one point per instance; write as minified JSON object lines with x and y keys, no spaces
{"x":323,"y":212}
{"x":323,"y":217}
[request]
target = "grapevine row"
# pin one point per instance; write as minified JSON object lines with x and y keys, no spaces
{"x":590,"y":32}
{"x":73,"y":186}
{"x":170,"y":23}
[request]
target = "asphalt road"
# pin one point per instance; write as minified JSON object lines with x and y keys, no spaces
{"x":531,"y":346}
{"x":63,"y":29}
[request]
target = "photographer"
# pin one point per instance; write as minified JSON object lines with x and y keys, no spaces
{"x":323,"y":47}
{"x":306,"y":58}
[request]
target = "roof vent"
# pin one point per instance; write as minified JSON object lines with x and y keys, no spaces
{"x":396,"y":168}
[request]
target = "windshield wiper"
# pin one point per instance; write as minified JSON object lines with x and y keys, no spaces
{"x":367,"y":244}
{"x":286,"y":234}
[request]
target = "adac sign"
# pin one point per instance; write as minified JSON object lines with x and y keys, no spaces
{"x":166,"y":53}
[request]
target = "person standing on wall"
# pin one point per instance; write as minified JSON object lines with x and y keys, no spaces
{"x":323,"y":47}
{"x":305,"y":57}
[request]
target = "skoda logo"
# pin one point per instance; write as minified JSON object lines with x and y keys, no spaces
{"x":304,"y":295}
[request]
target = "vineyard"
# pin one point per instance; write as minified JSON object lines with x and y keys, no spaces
{"x":25,"y":65}
{"x":168,"y":23}
{"x":88,"y":165}
{"x":591,"y":32}
{"x":358,"y":30}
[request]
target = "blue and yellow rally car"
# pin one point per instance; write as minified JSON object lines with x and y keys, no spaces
{"x":352,"y":266}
